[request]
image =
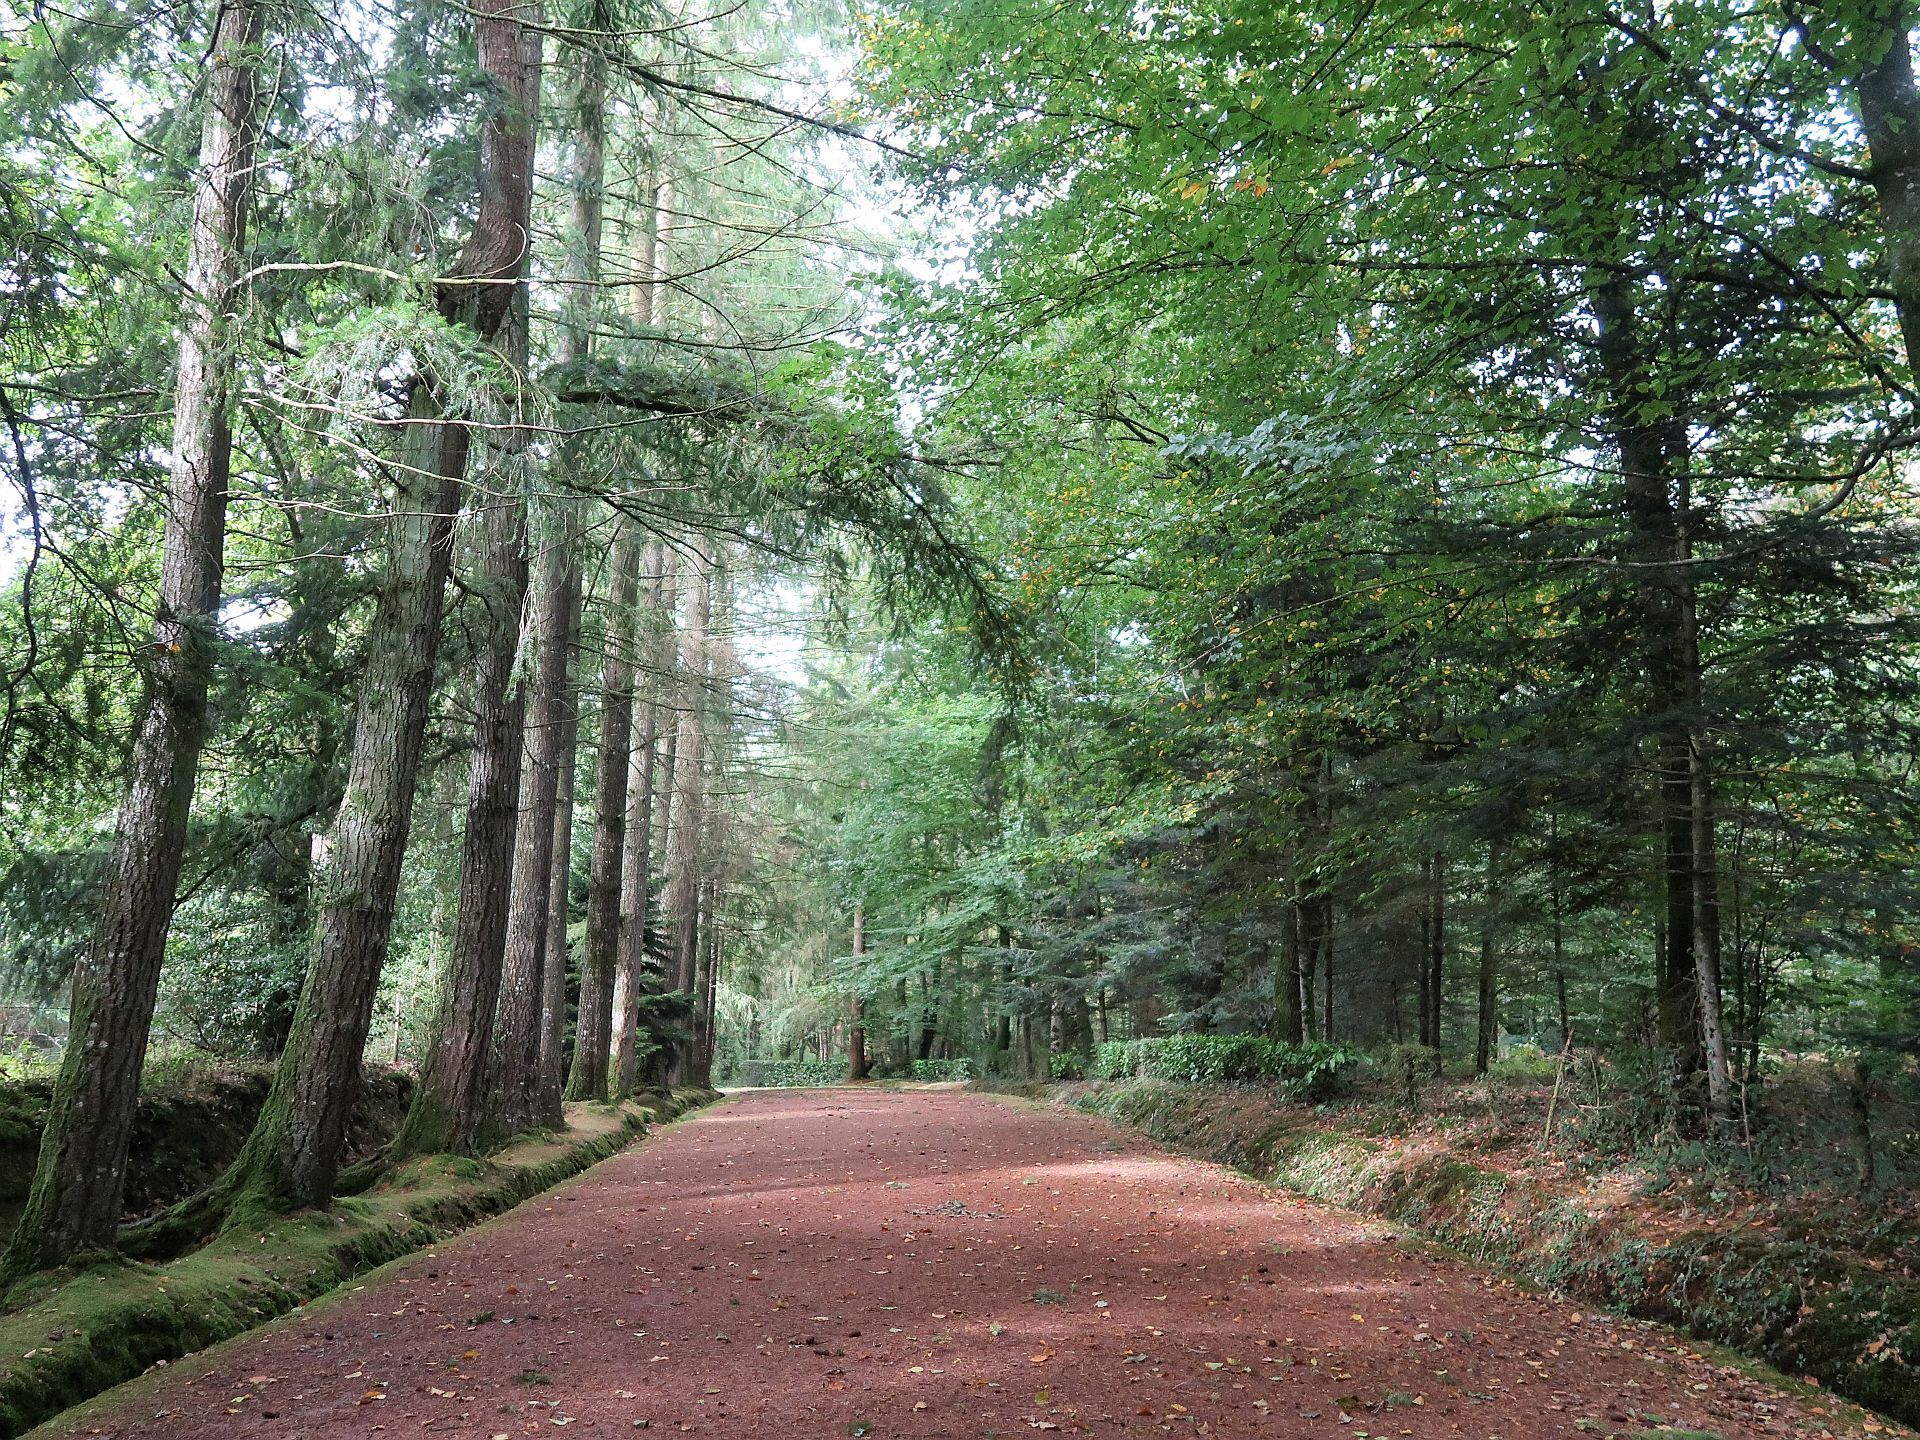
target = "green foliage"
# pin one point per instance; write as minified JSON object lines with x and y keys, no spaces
{"x":789,"y":1074}
{"x":1310,"y":1071}
{"x":1410,"y":1068}
{"x":961,"y":1069}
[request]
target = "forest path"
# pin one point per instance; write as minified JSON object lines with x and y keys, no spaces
{"x":935,"y":1263}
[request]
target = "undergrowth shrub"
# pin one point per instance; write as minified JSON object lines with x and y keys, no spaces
{"x":789,"y":1074}
{"x":961,"y":1069}
{"x":1310,"y":1071}
{"x":1409,"y":1069}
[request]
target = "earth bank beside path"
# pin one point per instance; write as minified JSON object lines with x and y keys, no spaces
{"x":938,"y":1263}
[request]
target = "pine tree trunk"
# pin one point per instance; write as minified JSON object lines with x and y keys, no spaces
{"x":651,"y":254}
{"x":1652,"y":443}
{"x":450,"y":1102}
{"x":706,"y":987}
{"x":930,"y":1019}
{"x":550,"y":1071}
{"x":1003,"y":1030}
{"x":1326,"y":969}
{"x":593,"y":1028}
{"x":636,"y":888}
{"x":1487,"y":1034}
{"x":78,"y":1187}
{"x":1704,"y":916}
{"x":683,"y":887}
{"x":1307,"y":949}
{"x":1890,"y":112}
{"x":857,"y":1011}
{"x":659,"y":1066}
{"x":1677,"y":997}
{"x":556,"y":603}
{"x":1437,"y":954}
{"x":293,"y":1155}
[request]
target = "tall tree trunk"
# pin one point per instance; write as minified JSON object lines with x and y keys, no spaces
{"x":651,"y":252}
{"x":1704,"y":868}
{"x":683,"y":888}
{"x":706,"y":985}
{"x":556,"y":605}
{"x":1436,"y":959}
{"x":78,"y":1187}
{"x":930,"y":1019}
{"x":1890,"y":114}
{"x":659,"y":1067}
{"x":293,"y":1154}
{"x":593,"y":1028}
{"x":1487,"y":1032}
{"x":1286,"y":1022}
{"x":1003,"y":1026}
{"x":550,"y":1070}
{"x":450,"y":1103}
{"x":1651,"y":439}
{"x":1677,"y":993}
{"x":636,"y":876}
{"x":1326,"y":968}
{"x":857,"y":1038}
{"x":1307,"y":948}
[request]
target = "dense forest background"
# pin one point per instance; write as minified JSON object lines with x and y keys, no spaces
{"x":586,"y":548}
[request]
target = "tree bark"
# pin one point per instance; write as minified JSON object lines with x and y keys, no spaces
{"x":1436,"y":953}
{"x":450,"y":1103}
{"x":1890,"y":114}
{"x":293,"y":1155}
{"x":857,"y":1029}
{"x":1487,"y":1032}
{"x":1704,"y":867}
{"x":683,"y":886}
{"x":650,"y":250}
{"x":556,"y":606}
{"x":550,"y":1071}
{"x":593,"y":1027}
{"x":1650,"y":437}
{"x":77,"y":1189}
{"x":1287,"y":1021}
{"x":547,"y":1011}
{"x":636,"y":897}
{"x":706,"y":985}
{"x":1326,"y":969}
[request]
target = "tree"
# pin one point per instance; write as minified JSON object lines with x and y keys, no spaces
{"x":292,"y":1157}
{"x":75,"y":1200}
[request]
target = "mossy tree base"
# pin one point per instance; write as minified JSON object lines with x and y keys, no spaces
{"x":76,"y":1333}
{"x":1807,"y":1310}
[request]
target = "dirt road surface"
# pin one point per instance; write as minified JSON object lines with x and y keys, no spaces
{"x":809,"y":1264}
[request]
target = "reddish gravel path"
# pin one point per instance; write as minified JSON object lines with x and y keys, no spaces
{"x":936,"y":1263}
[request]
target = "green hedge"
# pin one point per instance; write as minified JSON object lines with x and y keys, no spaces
{"x":797,"y":1074}
{"x":1311,"y":1071}
{"x":961,"y":1069}
{"x":788,"y":1074}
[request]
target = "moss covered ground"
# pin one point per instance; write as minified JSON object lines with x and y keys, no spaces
{"x":81,"y":1332}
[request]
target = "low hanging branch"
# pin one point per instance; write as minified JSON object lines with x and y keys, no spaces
{"x":596,"y":381}
{"x":853,"y":477}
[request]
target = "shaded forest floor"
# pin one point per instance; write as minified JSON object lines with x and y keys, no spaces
{"x":1821,"y":1156}
{"x":1810,"y":1277}
{"x":924,"y":1263}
